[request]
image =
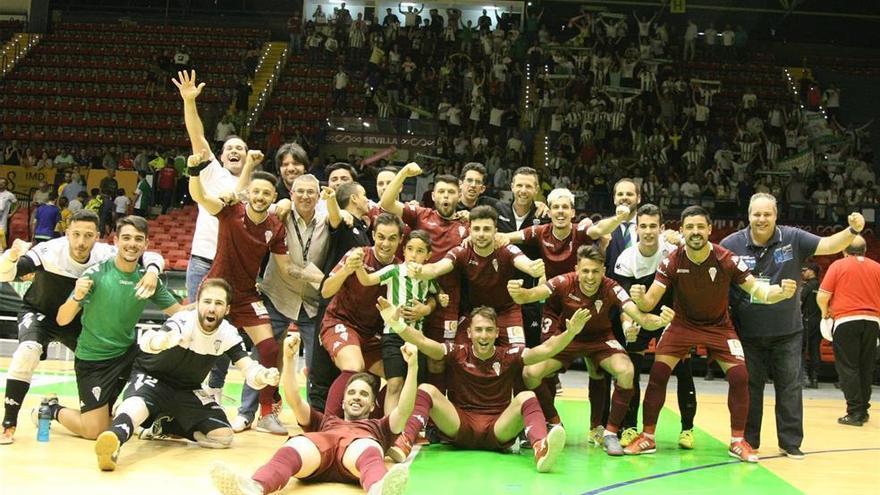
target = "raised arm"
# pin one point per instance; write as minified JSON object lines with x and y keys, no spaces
{"x":367,"y":279}
{"x":212,"y":204}
{"x":9,"y":259}
{"x":836,"y":243}
{"x":301,"y":409}
{"x":557,"y":343}
{"x":394,"y":320}
{"x":389,"y":201}
{"x":67,"y":312}
{"x":607,"y":225}
{"x":407,"y":401}
{"x":354,"y":259}
{"x":189,"y":91}
{"x":646,"y":300}
{"x":534,"y":268}
{"x":334,"y":218}
{"x":253,"y":159}
{"x":522,"y":295}
{"x":766,"y":293}
{"x":430,"y":271}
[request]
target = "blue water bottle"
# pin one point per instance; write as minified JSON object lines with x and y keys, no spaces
{"x":44,"y":420}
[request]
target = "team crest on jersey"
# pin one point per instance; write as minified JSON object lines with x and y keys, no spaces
{"x":268,"y":235}
{"x":712,"y":272}
{"x":96,"y":391}
{"x":496,"y":367}
{"x":598,"y":305}
{"x":355,"y":231}
{"x":462,"y":232}
{"x":217,"y":345}
{"x":495,"y":265}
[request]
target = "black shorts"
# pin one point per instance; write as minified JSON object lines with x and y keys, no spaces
{"x":192,"y":410}
{"x":37,"y":327}
{"x":392,"y":359}
{"x":100,"y":382}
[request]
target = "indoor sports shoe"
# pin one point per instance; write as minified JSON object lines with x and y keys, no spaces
{"x":792,"y":453}
{"x":612,"y":445}
{"x":549,"y":448}
{"x":628,"y":436}
{"x":270,"y":424}
{"x":742,"y":451}
{"x":851,"y":420}
{"x":240,"y":423}
{"x":107,"y":450}
{"x":641,"y":445}
{"x":400,"y":450}
{"x":393,"y":483}
{"x":595,"y":436}
{"x":686,"y":439}
{"x":156,"y":430}
{"x":8,"y":435}
{"x":228,"y":482}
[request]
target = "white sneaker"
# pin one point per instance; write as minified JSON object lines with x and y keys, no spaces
{"x":270,"y":424}
{"x":228,"y":482}
{"x":240,"y":424}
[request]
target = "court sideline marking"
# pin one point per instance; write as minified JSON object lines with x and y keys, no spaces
{"x":622,"y":484}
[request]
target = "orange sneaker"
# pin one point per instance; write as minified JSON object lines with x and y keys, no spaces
{"x":743,"y":451}
{"x":400,"y":450}
{"x":548,"y":449}
{"x":8,"y":435}
{"x":641,"y":445}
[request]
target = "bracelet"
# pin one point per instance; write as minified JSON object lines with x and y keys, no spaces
{"x":854,"y":231}
{"x":77,"y":300}
{"x":193,"y":171}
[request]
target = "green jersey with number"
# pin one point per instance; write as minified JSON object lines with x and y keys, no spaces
{"x":111,"y":310}
{"x":404,"y":290}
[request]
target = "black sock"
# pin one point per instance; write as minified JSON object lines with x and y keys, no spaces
{"x":16,"y":390}
{"x":687,"y":394}
{"x":55,"y":410}
{"x":122,"y":427}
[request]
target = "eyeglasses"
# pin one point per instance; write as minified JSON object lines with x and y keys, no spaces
{"x":305,"y":192}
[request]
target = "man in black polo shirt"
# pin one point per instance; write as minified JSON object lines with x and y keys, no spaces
{"x":472,"y":182}
{"x":771,"y":336}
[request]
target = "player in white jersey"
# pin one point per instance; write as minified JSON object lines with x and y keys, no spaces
{"x":167,"y":375}
{"x":56,"y":265}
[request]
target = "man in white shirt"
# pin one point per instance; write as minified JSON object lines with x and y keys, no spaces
{"x":224,"y":129}
{"x":8,"y":205}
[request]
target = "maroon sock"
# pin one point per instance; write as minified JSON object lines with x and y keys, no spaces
{"x":546,"y":394}
{"x":655,"y":395}
{"x":275,"y":474}
{"x":336,"y":394}
{"x":268,"y":350}
{"x":534,"y":421}
{"x":371,"y":464}
{"x":619,"y":405}
{"x":598,"y":398}
{"x":738,"y":398}
{"x":419,"y":416}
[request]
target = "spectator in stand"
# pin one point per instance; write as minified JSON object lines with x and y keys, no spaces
{"x":121,"y":203}
{"x":64,"y":160}
{"x":125,"y":162}
{"x":223,"y":130}
{"x":8,"y":205}
{"x":78,"y":203}
{"x":340,"y":86}
{"x":41,"y":195}
{"x":295,"y":30}
{"x":12,"y":154}
{"x":44,"y":162}
{"x":143,"y":196}
{"x":109,"y":185}
{"x":46,"y":217}
{"x":181,"y":59}
{"x":167,"y":184}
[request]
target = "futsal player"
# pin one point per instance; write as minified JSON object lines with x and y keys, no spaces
{"x":56,"y":265}
{"x":347,"y":449}
{"x":588,"y":289}
{"x":481,"y":412}
{"x":167,"y":375}
{"x":700,"y":275}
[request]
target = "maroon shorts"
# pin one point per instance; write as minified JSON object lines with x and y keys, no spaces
{"x":477,"y":431}
{"x":594,"y":351}
{"x":335,"y":335}
{"x":510,"y":328}
{"x":332,"y":447}
{"x":248,"y":313}
{"x":721,"y":342}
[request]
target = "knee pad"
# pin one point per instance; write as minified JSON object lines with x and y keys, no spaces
{"x":215,"y":439}
{"x":25,"y":360}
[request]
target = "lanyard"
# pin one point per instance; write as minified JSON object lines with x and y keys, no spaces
{"x":308,"y":244}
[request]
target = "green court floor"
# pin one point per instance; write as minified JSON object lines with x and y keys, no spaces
{"x":441,"y":469}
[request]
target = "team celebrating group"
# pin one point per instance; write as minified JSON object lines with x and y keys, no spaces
{"x":468,"y":310}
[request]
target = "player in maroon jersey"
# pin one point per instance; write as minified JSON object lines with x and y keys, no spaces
{"x":351,"y":329}
{"x":447,"y":230}
{"x":481,"y":411}
{"x":700,"y":275}
{"x":487,"y":269}
{"x":559,"y":240}
{"x":348,"y":449}
{"x":247,"y":233}
{"x":587,"y":288}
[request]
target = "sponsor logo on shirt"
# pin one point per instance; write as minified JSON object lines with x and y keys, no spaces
{"x":574,"y":297}
{"x":682,"y":270}
{"x":547,"y":244}
{"x":473,"y":262}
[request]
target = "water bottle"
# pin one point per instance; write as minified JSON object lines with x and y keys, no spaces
{"x":44,"y":420}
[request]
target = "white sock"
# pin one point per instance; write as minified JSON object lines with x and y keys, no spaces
{"x":735,"y":439}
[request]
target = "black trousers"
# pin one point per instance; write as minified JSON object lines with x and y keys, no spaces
{"x":855,"y":352}
{"x":323,"y":371}
{"x":812,"y":340}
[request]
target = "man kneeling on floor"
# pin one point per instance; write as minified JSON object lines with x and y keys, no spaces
{"x":332,"y":449}
{"x":165,"y":383}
